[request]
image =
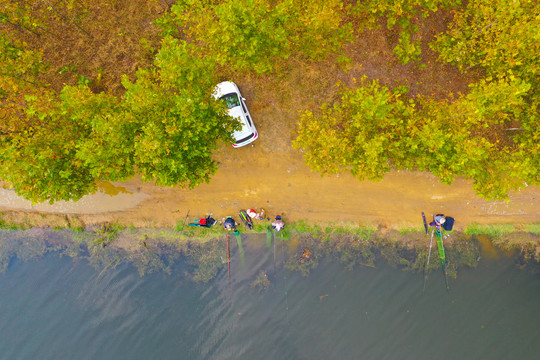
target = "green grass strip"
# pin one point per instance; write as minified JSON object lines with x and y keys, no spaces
{"x":491,"y":230}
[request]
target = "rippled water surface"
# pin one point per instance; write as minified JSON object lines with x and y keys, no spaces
{"x":56,"y":308}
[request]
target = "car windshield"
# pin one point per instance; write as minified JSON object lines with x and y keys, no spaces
{"x":231,"y":100}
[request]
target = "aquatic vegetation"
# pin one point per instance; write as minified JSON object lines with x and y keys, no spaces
{"x":104,"y":257}
{"x":155,"y":250}
{"x":261,"y":282}
{"x":317,"y":248}
{"x":154,"y":257}
{"x":206,"y":259}
{"x":353,"y":251}
{"x":529,"y":258}
{"x":526,"y":245}
{"x":25,"y":245}
{"x":463,"y":251}
{"x":20,"y":247}
{"x":397,"y":255}
{"x":392,"y":247}
{"x":107,"y":233}
{"x":11,"y":226}
{"x":306,"y":255}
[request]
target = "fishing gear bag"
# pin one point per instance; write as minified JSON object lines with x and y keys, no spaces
{"x":448,"y":224}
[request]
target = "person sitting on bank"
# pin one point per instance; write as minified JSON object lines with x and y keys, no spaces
{"x":438,"y":221}
{"x":278,"y":224}
{"x":229,"y":223}
{"x":208,"y":222}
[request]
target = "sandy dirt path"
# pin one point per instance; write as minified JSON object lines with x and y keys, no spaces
{"x":255,"y":177}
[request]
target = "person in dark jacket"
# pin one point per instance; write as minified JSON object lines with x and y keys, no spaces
{"x":229,"y":223}
{"x":438,"y":221}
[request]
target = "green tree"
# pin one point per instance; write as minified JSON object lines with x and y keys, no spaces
{"x":364,"y":132}
{"x":259,"y":34}
{"x":174,"y":121}
{"x":475,"y":138}
{"x":372,"y":130}
{"x":165,"y":128}
{"x":501,"y":40}
{"x":500,"y":36}
{"x":19,"y":76}
{"x":41,"y":162}
{"x":400,"y":15}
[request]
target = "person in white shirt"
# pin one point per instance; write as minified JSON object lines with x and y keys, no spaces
{"x":278,"y":224}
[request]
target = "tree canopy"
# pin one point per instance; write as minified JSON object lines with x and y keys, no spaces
{"x":372,"y":130}
{"x":89,"y":91}
{"x":255,"y":35}
{"x":502,"y":37}
{"x":164,"y":128}
{"x":175,"y":122}
{"x":403,"y":17}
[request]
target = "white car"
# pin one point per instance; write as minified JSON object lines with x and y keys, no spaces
{"x":229,"y":92}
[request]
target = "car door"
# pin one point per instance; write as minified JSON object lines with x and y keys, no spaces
{"x":248,"y":115}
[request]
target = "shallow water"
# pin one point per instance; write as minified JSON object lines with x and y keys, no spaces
{"x":57,"y":308}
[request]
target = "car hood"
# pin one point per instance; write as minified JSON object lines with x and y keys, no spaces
{"x":224,"y":88}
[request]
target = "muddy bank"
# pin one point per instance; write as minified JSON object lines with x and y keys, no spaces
{"x":156,"y":250}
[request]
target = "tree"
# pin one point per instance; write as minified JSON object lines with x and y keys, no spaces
{"x":501,"y":37}
{"x":259,"y":34}
{"x":19,"y":76}
{"x":42,"y":162}
{"x":364,"y":132}
{"x":174,"y":122}
{"x":101,"y":40}
{"x":400,"y":15}
{"x":165,"y":128}
{"x":475,"y":138}
{"x":372,"y":130}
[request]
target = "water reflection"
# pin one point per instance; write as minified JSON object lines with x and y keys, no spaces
{"x":110,"y":189}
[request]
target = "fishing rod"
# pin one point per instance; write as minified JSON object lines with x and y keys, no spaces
{"x":285,"y":283}
{"x":184,"y":223}
{"x":429,"y":256}
{"x":442,"y":254}
{"x":429,"y":253}
{"x":228,"y":256}
{"x":274,"y":238}
{"x":425,"y":222}
{"x":443,"y":257}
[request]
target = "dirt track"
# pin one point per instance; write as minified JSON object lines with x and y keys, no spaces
{"x":252,"y":177}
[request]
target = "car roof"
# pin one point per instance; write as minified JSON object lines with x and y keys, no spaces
{"x":224,"y":88}
{"x":237,"y":113}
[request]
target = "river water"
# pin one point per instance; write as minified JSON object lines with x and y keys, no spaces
{"x":59,"y":308}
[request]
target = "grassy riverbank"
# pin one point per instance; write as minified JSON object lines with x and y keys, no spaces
{"x":353,"y":245}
